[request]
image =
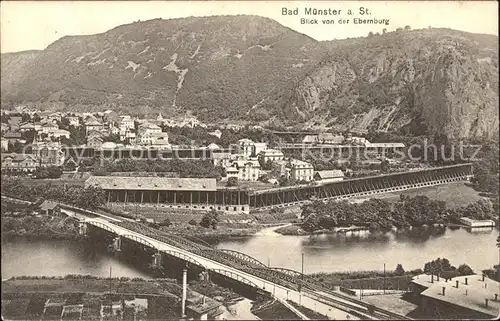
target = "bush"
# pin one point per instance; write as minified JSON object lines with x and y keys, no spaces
{"x":210,"y":219}
{"x":193,"y":222}
{"x":166,"y":222}
{"x":232,"y":181}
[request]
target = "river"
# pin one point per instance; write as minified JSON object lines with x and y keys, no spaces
{"x":364,"y":251}
{"x":322,"y":253}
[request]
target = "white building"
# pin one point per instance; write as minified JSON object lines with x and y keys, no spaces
{"x":270,"y":155}
{"x":126,"y":122}
{"x":247,"y":170}
{"x":58,"y":133}
{"x":222,"y":159}
{"x":74,"y":121}
{"x":329,"y":176}
{"x":300,"y":170}
{"x":246,"y":147}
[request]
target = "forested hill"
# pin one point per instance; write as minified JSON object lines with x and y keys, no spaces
{"x":253,"y":69}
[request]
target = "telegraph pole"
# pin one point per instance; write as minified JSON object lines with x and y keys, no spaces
{"x":384,"y":278}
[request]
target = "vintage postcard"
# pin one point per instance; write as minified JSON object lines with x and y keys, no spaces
{"x":249,"y":160}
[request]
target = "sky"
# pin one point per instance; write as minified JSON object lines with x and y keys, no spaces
{"x":28,"y":25}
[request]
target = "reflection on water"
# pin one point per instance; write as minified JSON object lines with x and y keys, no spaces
{"x":366,"y":251}
{"x":61,"y":257}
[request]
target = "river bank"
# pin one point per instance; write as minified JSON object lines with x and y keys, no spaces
{"x":40,"y":227}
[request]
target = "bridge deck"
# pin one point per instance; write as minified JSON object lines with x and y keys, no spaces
{"x":282,"y":283}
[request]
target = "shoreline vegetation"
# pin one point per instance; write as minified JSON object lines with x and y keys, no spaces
{"x":378,"y":215}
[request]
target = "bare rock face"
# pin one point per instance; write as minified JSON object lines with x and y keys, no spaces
{"x":432,"y":81}
{"x":252,"y":69}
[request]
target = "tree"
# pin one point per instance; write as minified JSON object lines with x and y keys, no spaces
{"x":464,"y":269}
{"x":210,"y":219}
{"x":438,"y":266}
{"x":48,"y":172}
{"x":407,"y":27}
{"x":385,"y":166}
{"x":384,"y":30}
{"x":232,"y":181}
{"x":370,"y":34}
{"x":166,"y":222}
{"x":193,"y":222}
{"x":399,"y":270}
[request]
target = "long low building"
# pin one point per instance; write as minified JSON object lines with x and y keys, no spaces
{"x":203,"y":194}
{"x":179,"y":193}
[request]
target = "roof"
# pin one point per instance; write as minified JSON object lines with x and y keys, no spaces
{"x":18,"y":157}
{"x":213,"y":146}
{"x":245,"y":140}
{"x":386,"y":145}
{"x":297,"y":162}
{"x":310,"y":139}
{"x":93,"y":122}
{"x":271,"y":152}
{"x":48,"y":205}
{"x":27,"y":125}
{"x":152,"y":183}
{"x":243,"y":163}
{"x":221,"y":155}
{"x":330,"y":173}
{"x":476,"y":293}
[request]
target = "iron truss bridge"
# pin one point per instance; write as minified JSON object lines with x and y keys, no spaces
{"x":243,"y":268}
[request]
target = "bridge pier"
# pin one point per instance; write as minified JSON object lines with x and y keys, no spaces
{"x":157,"y":261}
{"x":116,"y":245}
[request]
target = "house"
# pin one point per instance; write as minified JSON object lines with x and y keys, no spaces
{"x":200,"y":307}
{"x":4,"y":127}
{"x":381,"y":148}
{"x":74,"y":121}
{"x":26,"y":127}
{"x":217,"y":133}
{"x":126,"y":122}
{"x":20,"y":163}
{"x":329,"y":138}
{"x":112,"y":118}
{"x":310,"y":139}
{"x":12,"y":136}
{"x":151,"y":136}
{"x":50,"y":208}
{"x":245,"y":147}
{"x":128,"y":137}
{"x":270,"y":155}
{"x":300,"y":170}
{"x":221,"y":159}
{"x":475,"y":296}
{"x":49,"y":154}
{"x":232,"y":172}
{"x":258,"y":147}
{"x":92,"y":124}
{"x":95,"y":139}
{"x":58,"y":133}
{"x":5,"y":144}
{"x":213,"y":146}
{"x":148,"y":128}
{"x":48,"y":126}
{"x":329,"y":176}
{"x":159,"y":140}
{"x":248,"y":170}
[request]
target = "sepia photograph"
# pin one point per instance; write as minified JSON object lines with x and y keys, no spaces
{"x":249,"y":160}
